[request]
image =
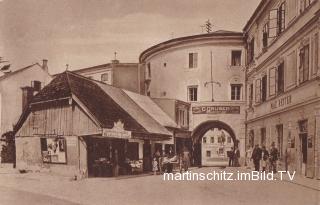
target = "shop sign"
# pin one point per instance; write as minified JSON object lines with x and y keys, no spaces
{"x":281,"y":102}
{"x":117,"y":131}
{"x":216,"y":110}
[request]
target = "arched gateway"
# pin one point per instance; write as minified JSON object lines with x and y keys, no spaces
{"x":198,"y":143}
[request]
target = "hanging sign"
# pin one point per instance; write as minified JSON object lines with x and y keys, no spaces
{"x":117,"y":131}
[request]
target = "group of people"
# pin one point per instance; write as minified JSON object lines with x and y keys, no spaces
{"x":234,"y":155}
{"x":158,"y":163}
{"x":264,"y":158}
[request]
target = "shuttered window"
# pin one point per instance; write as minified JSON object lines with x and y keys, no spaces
{"x":272,"y":81}
{"x":304,"y":64}
{"x":193,"y":60}
{"x":291,"y":69}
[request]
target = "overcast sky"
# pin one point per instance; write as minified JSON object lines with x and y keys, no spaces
{"x":84,"y":33}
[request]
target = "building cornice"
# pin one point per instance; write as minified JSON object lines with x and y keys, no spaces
{"x":217,"y":36}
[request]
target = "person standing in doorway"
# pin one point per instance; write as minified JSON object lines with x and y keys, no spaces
{"x":256,"y":157}
{"x":230,"y":155}
{"x":236,"y":157}
{"x":186,"y":158}
{"x":274,"y":153}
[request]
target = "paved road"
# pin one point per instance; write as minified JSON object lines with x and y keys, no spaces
{"x":10,"y":196}
{"x":153,"y":190}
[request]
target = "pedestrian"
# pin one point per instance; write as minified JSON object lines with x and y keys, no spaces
{"x":256,"y":157}
{"x":155,"y":166}
{"x":274,"y":153}
{"x":230,"y":155}
{"x":157,"y":155}
{"x":264,"y":158}
{"x":236,"y":157}
{"x":248,"y":156}
{"x":186,"y":158}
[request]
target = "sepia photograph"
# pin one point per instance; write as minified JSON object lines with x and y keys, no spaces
{"x":159,"y":102}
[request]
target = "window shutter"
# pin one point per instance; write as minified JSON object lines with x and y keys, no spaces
{"x":272,"y":81}
{"x":306,"y":63}
{"x":258,"y":91}
{"x":273,"y":23}
{"x":190,"y":60}
{"x":195,"y":60}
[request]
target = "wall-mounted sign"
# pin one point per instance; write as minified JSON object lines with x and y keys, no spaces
{"x":281,"y":102}
{"x":117,"y":131}
{"x":216,"y":110}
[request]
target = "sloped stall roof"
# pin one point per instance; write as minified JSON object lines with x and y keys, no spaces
{"x":152,"y":109}
{"x":106,"y":103}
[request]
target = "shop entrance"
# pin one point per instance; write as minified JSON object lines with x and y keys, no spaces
{"x":211,"y":142}
{"x":106,"y":157}
{"x":304,"y":151}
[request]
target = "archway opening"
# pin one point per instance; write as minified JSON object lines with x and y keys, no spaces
{"x":212,"y":140}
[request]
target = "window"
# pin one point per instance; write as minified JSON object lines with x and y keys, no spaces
{"x":251,"y":51}
{"x":104,"y":77}
{"x":208,"y":153}
{"x":229,"y":139}
{"x":273,"y":23}
{"x":204,"y":140}
{"x":305,"y":4}
{"x":182,"y":117}
{"x":304,"y":64}
{"x":221,"y":150}
{"x":276,"y":24}
{"x":149,"y":70}
{"x":193,"y":93}
{"x":193,"y":60}
{"x":280,"y":138}
{"x":212,"y":140}
{"x":265,"y":34}
{"x":261,"y":89}
{"x":264,"y":88}
{"x":250,"y":94}
{"x":235,"y":91}
{"x":280,"y":78}
{"x":36,"y":85}
{"x":53,"y":150}
{"x":263,"y":136}
{"x":236,"y":58}
{"x":281,"y":17}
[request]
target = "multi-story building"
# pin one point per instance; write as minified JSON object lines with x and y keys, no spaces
{"x":207,"y":71}
{"x":123,"y":75}
{"x":16,"y":90}
{"x":282,"y":82}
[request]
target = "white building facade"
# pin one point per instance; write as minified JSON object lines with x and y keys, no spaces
{"x":207,"y":71}
{"x":283,"y":95}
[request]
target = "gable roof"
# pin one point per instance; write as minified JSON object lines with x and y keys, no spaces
{"x":19,"y":71}
{"x":106,"y":103}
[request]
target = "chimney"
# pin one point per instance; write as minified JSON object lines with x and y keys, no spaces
{"x":45,"y":65}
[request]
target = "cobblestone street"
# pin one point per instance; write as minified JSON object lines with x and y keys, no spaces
{"x":39,"y":188}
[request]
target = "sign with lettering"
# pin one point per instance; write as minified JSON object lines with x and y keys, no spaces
{"x":216,"y":110}
{"x":117,"y":131}
{"x":281,"y":102}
